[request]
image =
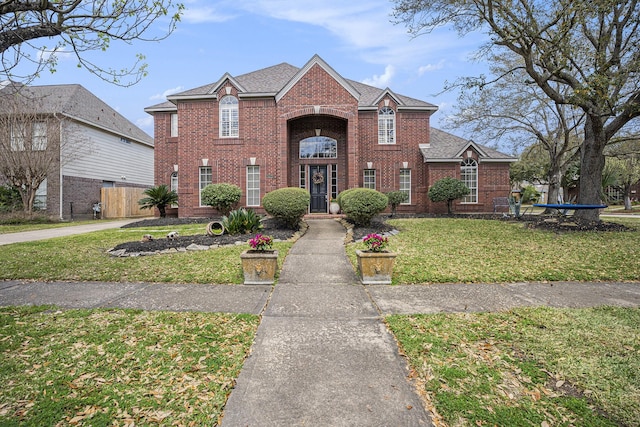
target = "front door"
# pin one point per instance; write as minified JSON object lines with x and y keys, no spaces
{"x":318,"y":185}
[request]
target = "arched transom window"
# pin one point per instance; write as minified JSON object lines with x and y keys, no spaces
{"x":229,"y":117}
{"x":386,"y":126}
{"x":469,"y":175}
{"x":318,"y":147}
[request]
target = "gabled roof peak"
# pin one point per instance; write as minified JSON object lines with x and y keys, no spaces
{"x":316,"y":60}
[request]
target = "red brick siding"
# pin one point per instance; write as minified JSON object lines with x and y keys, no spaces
{"x":270,"y":132}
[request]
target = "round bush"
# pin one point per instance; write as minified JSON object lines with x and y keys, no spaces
{"x":342,"y":194}
{"x":222,"y":196}
{"x":287,"y":204}
{"x":362,"y":204}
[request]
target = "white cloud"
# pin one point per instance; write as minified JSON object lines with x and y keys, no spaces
{"x":383,"y":80}
{"x":59,"y":52}
{"x":162,"y":96}
{"x":145,"y":123}
{"x":199,"y":12}
{"x":431,"y":67}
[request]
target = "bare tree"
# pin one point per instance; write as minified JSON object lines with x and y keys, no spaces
{"x":79,"y":26}
{"x":32,"y":143}
{"x":590,"y":49}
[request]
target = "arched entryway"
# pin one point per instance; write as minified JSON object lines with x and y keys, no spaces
{"x":318,"y":158}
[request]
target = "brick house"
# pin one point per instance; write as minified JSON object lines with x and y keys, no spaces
{"x":90,"y":145}
{"x":310,"y":127}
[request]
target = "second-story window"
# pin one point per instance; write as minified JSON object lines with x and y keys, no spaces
{"x":174,"y":125}
{"x":386,"y":126}
{"x":229,"y":117}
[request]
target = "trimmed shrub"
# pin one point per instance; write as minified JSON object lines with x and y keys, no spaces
{"x":341,"y":195}
{"x":395,"y":199}
{"x":362,"y":204}
{"x":222,"y":197}
{"x":241,"y":221}
{"x":447,"y":190}
{"x":287,"y":204}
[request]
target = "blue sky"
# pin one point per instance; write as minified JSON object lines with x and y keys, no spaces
{"x":356,"y":38}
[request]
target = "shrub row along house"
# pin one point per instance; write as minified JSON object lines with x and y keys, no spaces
{"x":311,"y":128}
{"x":68,"y":144}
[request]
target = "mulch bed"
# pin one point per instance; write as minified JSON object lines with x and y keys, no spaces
{"x":276,"y":230}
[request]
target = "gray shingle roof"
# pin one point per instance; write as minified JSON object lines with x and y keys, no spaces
{"x":76,"y":102}
{"x":444,"y":146}
{"x":273,"y":79}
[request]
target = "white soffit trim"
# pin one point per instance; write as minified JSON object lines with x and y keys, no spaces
{"x":388,"y":92}
{"x":475,"y":146}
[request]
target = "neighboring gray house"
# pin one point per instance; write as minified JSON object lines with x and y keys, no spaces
{"x":98,"y":147}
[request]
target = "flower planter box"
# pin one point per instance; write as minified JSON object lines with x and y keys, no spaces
{"x":259,"y":267}
{"x":375,"y":268}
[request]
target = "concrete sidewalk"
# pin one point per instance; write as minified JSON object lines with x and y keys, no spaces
{"x":49,"y":233}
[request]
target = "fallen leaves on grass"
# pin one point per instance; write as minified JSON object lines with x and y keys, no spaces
{"x":131,"y":366}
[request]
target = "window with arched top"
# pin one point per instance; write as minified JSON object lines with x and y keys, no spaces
{"x":318,"y":147}
{"x":229,"y":117}
{"x":386,"y":126}
{"x":469,"y":176}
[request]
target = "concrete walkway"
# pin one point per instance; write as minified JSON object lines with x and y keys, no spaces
{"x":322,"y":355}
{"x":30,"y":236}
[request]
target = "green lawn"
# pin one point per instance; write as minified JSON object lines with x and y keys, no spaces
{"x":485,"y":251}
{"x":84,"y":257}
{"x":527,"y":367}
{"x":118,"y":367}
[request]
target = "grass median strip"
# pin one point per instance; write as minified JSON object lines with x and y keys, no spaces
{"x":527,"y":367}
{"x":125,"y":366}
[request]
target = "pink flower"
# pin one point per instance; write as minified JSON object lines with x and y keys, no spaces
{"x":375,"y":242}
{"x":261,"y":242}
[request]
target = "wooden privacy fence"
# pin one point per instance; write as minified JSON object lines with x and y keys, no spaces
{"x":122,"y":202}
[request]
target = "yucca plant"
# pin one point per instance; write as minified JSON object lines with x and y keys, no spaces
{"x":158,"y":197}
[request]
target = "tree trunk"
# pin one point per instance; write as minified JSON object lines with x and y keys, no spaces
{"x":163,"y":212}
{"x":555,"y":177}
{"x":591,"y":166}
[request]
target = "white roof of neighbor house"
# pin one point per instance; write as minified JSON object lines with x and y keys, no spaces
{"x":77,"y":103}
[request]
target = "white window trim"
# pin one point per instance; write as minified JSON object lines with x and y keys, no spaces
{"x":39,"y":136}
{"x":174,"y":125}
{"x":173,"y":186}
{"x":226,"y":112}
{"x":251,"y":171}
{"x":364,"y":178}
{"x":469,"y":165}
{"x":200,"y":183}
{"x":386,"y":133}
{"x":18,"y":131}
{"x":408,"y":202}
